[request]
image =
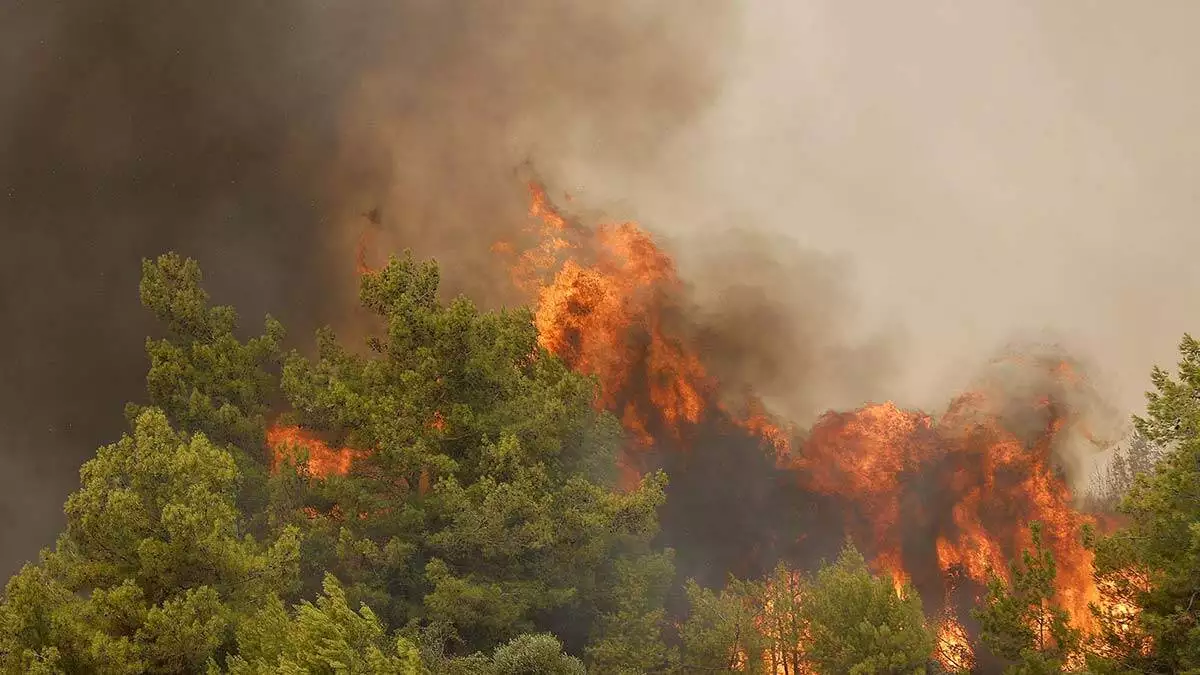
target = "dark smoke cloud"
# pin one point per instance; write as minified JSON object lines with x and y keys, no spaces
{"x":251,"y":136}
{"x":605,"y":83}
{"x":779,"y":320}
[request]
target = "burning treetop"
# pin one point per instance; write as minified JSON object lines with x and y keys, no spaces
{"x":936,"y":499}
{"x":477,"y":464}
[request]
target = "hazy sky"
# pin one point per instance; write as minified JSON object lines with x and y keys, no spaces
{"x":986,"y":171}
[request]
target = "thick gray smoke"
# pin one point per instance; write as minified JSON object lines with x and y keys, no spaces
{"x":990,"y":171}
{"x":502,"y":89}
{"x":251,"y":136}
{"x":779,"y":320}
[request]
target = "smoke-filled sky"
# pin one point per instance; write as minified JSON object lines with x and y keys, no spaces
{"x":911,"y":186}
{"x":983,"y":172}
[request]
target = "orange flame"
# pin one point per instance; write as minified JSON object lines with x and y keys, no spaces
{"x":953,"y":648}
{"x":990,"y":481}
{"x":367,"y":240}
{"x":603,"y":300}
{"x":608,"y":301}
{"x":1118,"y":612}
{"x":785,"y":632}
{"x":361,"y":266}
{"x":291,"y":443}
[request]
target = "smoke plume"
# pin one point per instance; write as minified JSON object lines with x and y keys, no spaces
{"x":989,"y":173}
{"x":252,"y":137}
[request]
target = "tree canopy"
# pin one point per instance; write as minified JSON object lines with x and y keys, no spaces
{"x":154,"y":571}
{"x":473,"y":525}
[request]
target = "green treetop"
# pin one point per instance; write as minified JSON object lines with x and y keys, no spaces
{"x":1019,"y":619}
{"x":154,"y":569}
{"x":858,"y":624}
{"x":484,"y":500}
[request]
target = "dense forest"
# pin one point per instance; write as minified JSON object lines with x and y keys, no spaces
{"x":448,"y":500}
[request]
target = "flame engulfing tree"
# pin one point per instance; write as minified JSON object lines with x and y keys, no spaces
{"x":475,"y":502}
{"x":842,"y":619}
{"x":1153,"y":560}
{"x":1020,"y":620}
{"x":857,"y":623}
{"x":448,"y":500}
{"x":481,"y":496}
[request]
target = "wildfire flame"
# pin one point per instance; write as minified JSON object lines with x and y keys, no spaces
{"x":293,"y":444}
{"x":929,"y":496}
{"x":1118,"y":612}
{"x":954,"y":650}
{"x":930,"y":499}
{"x":989,"y":485}
{"x":604,"y":300}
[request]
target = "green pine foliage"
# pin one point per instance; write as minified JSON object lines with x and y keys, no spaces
{"x":154,"y":571}
{"x":1019,"y":619}
{"x":842,"y":619}
{"x":480,"y":529}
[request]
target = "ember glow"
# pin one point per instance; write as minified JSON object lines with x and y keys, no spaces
{"x":927,"y":497}
{"x":953,"y":649}
{"x":292,"y":444}
{"x":1118,"y":611}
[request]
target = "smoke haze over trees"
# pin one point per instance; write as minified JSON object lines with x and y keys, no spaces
{"x":253,"y":137}
{"x":477,"y":528}
{"x":257,"y":136}
{"x":847,"y":216}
